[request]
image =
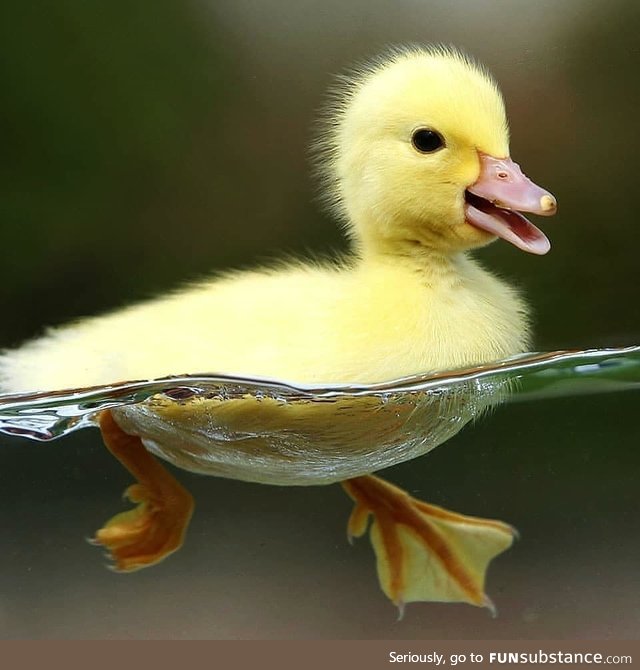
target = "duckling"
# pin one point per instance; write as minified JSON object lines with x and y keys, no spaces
{"x":415,"y":161}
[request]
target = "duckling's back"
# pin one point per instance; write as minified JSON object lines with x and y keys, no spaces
{"x":363,"y":321}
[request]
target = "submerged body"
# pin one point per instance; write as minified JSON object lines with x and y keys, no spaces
{"x":304,"y":442}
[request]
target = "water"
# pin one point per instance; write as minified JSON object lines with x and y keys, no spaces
{"x":277,"y":433}
{"x":51,"y":415}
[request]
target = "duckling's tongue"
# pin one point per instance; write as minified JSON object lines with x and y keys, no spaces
{"x":500,"y":190}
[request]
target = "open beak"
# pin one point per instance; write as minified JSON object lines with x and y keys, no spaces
{"x":495,"y":200}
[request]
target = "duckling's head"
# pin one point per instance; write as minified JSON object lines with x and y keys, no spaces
{"x":416,"y":152}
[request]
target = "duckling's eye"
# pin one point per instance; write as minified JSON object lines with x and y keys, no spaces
{"x":427,"y":141}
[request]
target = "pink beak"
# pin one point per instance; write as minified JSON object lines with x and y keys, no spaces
{"x":494,"y":201}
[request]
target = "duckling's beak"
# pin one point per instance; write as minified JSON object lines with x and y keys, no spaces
{"x":495,"y":200}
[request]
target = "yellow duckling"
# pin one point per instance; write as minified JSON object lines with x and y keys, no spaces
{"x":416,"y":162}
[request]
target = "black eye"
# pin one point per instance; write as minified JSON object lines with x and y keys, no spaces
{"x":427,"y":141}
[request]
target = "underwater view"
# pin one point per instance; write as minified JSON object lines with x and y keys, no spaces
{"x":148,"y":154}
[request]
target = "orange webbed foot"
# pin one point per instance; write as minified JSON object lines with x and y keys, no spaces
{"x":424,"y":552}
{"x":156,"y":527}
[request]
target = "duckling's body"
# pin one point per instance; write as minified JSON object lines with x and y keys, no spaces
{"x":415,"y":159}
{"x":364,"y":320}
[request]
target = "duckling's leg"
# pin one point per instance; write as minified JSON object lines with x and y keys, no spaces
{"x":423,"y":552}
{"x":156,"y":527}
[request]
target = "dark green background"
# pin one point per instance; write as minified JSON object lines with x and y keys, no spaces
{"x":143,"y":144}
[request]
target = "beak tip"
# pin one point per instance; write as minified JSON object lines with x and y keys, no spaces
{"x":548,"y":204}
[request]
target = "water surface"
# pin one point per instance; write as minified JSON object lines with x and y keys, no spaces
{"x":51,"y":415}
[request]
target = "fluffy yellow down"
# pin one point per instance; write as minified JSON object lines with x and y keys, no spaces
{"x":407,"y":300}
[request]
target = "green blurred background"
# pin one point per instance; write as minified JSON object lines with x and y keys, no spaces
{"x":147,"y":144}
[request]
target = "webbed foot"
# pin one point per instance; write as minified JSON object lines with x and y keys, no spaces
{"x":156,"y":527}
{"x":424,"y":552}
